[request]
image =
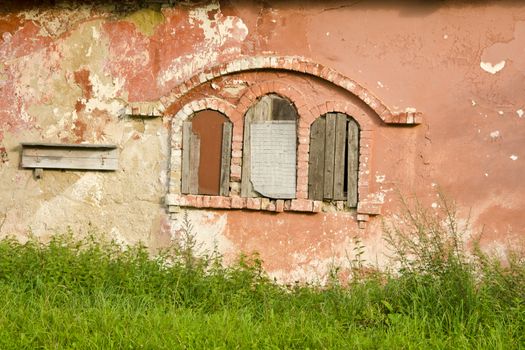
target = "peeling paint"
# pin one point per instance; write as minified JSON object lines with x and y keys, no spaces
{"x":495,"y":134}
{"x":146,"y":20}
{"x":492,"y":69}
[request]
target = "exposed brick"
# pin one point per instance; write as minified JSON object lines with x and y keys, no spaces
{"x":331,"y":75}
{"x":238,"y":202}
{"x":253,"y":203}
{"x":303,"y":132}
{"x":303,"y":188}
{"x":265,"y":203}
{"x":306,"y":120}
{"x":279,"y":205}
{"x":301,"y":205}
{"x":304,"y":171}
{"x":302,"y":157}
{"x":304,"y":140}
{"x":194,"y":201}
{"x":369,"y":208}
{"x":287,"y":204}
{"x":363,"y":217}
{"x":236,"y":161}
{"x":315,"y":69}
{"x":236,"y":170}
{"x":220,"y":202}
{"x":302,"y":168}
{"x":303,"y":148}
{"x":302,"y":180}
{"x":237,"y":143}
{"x":386,"y":115}
{"x":296,"y":65}
{"x":206,"y":201}
{"x":302,"y":194}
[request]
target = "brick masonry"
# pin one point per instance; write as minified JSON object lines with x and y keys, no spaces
{"x":307,"y":112}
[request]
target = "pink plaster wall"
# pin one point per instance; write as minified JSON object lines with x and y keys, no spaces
{"x":68,"y":72}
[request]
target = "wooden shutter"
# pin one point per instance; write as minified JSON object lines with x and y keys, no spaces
{"x":316,"y":160}
{"x":190,"y":160}
{"x":226,"y":159}
{"x":352,"y":163}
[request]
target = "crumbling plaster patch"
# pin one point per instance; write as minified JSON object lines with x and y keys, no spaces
{"x":220,"y":34}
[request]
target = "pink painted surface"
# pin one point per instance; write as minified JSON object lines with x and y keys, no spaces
{"x":66,"y":76}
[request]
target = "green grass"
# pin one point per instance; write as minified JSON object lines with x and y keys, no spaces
{"x":91,"y":295}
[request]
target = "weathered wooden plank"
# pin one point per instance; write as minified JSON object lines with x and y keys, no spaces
{"x":72,"y":163}
{"x":62,"y":157}
{"x":66,"y":145}
{"x":195,"y":146}
{"x":316,"y":160}
{"x":226,"y":153}
{"x":339,"y":157}
{"x":186,"y":138}
{"x":59,"y":152}
{"x":329,"y":156}
{"x":352,"y":163}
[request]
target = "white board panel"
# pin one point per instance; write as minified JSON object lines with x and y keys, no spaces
{"x":273,"y":158}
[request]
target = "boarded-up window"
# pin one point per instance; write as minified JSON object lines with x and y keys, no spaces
{"x":334,"y":156}
{"x":206,"y":152}
{"x":269,"y":151}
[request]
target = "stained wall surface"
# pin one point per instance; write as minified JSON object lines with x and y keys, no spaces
{"x":80,"y":72}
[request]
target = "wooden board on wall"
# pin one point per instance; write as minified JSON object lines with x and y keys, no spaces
{"x":339,"y":157}
{"x":329,"y":157}
{"x":224,"y":189}
{"x":69,"y":156}
{"x":316,"y":160}
{"x":352,"y":163}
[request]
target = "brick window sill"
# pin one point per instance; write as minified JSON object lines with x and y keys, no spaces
{"x":175,"y":201}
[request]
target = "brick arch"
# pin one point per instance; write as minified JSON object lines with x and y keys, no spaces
{"x":213,"y":103}
{"x":295,"y":64}
{"x":257,"y":91}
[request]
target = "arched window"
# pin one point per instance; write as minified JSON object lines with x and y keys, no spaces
{"x":206,"y":152}
{"x":334,"y":159}
{"x":269,"y":150}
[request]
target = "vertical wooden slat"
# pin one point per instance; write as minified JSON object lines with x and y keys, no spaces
{"x":353,"y":162}
{"x":186,"y":137}
{"x":329,"y":156}
{"x":339,"y":157}
{"x":195,"y":144}
{"x":226,"y":158}
{"x":316,"y":161}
